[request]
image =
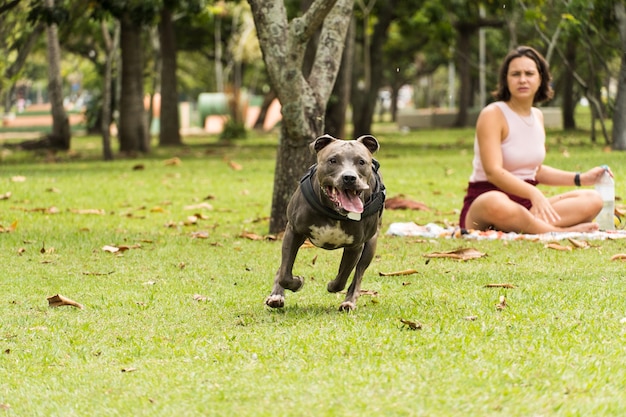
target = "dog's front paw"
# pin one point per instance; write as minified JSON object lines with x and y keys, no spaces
{"x":275,"y":301}
{"x":293,"y":284}
{"x":347,"y":306}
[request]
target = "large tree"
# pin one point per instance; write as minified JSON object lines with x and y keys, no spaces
{"x":134,"y":16}
{"x":365,"y":93}
{"x":61,"y":135}
{"x":303,"y":98}
{"x":619,"y":117}
{"x":169,"y":133}
{"x":133,"y":126}
{"x":18,"y":37}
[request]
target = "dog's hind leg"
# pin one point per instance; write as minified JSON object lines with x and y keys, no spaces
{"x":284,"y":278}
{"x":349,"y":259}
{"x":349,"y":303}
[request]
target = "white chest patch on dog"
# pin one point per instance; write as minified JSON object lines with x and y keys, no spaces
{"x":330,"y":236}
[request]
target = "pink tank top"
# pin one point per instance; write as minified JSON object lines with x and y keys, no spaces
{"x":523,"y":150}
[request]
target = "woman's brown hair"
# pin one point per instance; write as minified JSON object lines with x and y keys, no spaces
{"x":544,"y":92}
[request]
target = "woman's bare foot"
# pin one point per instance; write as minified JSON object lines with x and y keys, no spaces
{"x":582,"y":227}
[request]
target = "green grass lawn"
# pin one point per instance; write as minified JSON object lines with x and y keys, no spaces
{"x":176,"y":325}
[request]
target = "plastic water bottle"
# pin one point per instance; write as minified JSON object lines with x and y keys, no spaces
{"x":606,"y":187}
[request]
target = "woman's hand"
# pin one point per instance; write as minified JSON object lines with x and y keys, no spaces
{"x":593,"y":175}
{"x":542,"y":209}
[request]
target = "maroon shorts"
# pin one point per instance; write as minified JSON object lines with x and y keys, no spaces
{"x":474,"y":189}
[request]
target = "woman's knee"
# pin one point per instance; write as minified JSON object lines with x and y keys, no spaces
{"x":493,"y":206}
{"x":592,"y":202}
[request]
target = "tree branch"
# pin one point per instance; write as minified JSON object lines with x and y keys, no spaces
{"x":329,"y":52}
{"x":23,"y":52}
{"x":8,"y":6}
{"x":305,"y":26}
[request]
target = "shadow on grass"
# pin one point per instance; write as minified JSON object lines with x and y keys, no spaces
{"x":300,"y":310}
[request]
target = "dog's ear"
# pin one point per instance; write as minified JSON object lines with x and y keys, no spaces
{"x":370,"y":142}
{"x":321,"y":142}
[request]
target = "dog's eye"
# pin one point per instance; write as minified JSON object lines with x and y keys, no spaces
{"x":361,"y":161}
{"x":332,"y":160}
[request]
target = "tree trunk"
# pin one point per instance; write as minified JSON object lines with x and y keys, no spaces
{"x":568,"y":106}
{"x":619,"y":116}
{"x":133,"y":131}
{"x":464,"y":67}
{"x":111,"y":46}
{"x":169,"y":133}
{"x":335,"y":118}
{"x":60,"y":137}
{"x":303,"y":99}
{"x":364,"y":106}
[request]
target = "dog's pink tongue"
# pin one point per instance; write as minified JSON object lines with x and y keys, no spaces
{"x":350,"y":202}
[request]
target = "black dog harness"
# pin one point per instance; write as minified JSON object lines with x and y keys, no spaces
{"x":374,"y":204}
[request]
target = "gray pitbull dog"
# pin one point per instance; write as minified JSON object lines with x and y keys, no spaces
{"x":338,"y":204}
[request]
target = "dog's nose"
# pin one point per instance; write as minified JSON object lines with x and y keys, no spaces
{"x":349,"y":179}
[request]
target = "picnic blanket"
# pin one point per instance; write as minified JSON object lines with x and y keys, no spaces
{"x":432,"y":230}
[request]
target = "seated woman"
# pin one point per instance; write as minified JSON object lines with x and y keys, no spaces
{"x":509,"y":150}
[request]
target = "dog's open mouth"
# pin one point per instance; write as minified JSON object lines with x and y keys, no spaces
{"x":348,"y":200}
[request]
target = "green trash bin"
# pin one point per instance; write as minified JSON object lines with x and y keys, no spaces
{"x":212,"y":104}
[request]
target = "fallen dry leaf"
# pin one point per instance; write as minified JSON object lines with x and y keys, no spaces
{"x":579,"y":243}
{"x":251,"y":236}
{"x":399,"y":202}
{"x":45,"y":210}
{"x":138,"y":167}
{"x":18,"y":178}
{"x":500,"y":286}
{"x":88,"y":211}
{"x":5,"y":196}
{"x":557,"y":246}
{"x":97,"y":273}
{"x":8,"y":229}
{"x":398,"y":273}
{"x":502,"y":304}
{"x":619,"y":257}
{"x":200,"y":235}
{"x":205,"y":206}
{"x":470,"y":318}
{"x":59,"y":300}
{"x":198,"y":297}
{"x":121,"y":248}
{"x":175,"y":161}
{"x":235,"y":166}
{"x":411,"y":324}
{"x":111,"y":249}
{"x":462,"y":254}
{"x":361,"y":292}
{"x":129,"y":370}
